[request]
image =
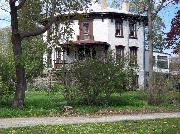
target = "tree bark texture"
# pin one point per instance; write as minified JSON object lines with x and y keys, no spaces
{"x":17,"y":50}
{"x":150,"y":37}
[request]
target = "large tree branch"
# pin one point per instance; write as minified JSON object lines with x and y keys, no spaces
{"x":21,"y":4}
{"x":39,"y":30}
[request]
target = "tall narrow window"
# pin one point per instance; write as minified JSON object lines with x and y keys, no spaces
{"x":132,"y":30}
{"x":86,"y":30}
{"x":133,"y":55}
{"x":119,"y":28}
{"x":119,"y":52}
{"x":58,"y":55}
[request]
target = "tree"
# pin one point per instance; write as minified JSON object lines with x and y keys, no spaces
{"x":47,"y":7}
{"x":158,"y":35}
{"x":32,"y":59}
{"x":173,"y":37}
{"x":152,"y":8}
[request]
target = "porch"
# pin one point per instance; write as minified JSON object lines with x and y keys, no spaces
{"x":79,"y":50}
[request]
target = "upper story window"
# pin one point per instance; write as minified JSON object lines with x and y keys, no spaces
{"x":119,"y":52}
{"x":86,"y":27}
{"x":162,"y":62}
{"x":132,"y":30}
{"x":133,"y":55}
{"x":86,"y":30}
{"x":119,"y":28}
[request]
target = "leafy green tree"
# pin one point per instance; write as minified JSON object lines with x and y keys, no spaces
{"x":7,"y":68}
{"x":152,"y":8}
{"x":32,"y":58}
{"x":36,"y":11}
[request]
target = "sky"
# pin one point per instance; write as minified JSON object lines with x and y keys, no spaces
{"x":167,"y":14}
{"x":4,"y":14}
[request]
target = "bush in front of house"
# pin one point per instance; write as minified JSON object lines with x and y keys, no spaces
{"x":161,"y":90}
{"x":95,"y":80}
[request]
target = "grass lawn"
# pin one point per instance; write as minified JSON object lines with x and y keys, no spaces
{"x":160,"y":126}
{"x":44,"y":104}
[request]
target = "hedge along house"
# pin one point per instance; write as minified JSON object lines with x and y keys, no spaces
{"x":103,"y":29}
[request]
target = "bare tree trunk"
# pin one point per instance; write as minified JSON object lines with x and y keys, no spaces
{"x":17,"y":50}
{"x":150,"y":38}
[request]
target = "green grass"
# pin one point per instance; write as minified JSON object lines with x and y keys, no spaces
{"x":160,"y":126}
{"x":43,"y":104}
{"x":36,"y":104}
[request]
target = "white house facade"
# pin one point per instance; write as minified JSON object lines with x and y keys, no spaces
{"x":103,"y":29}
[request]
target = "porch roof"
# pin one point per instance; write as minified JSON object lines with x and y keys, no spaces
{"x":87,"y":42}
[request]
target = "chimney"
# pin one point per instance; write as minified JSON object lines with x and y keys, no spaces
{"x":125,"y":6}
{"x":103,"y":4}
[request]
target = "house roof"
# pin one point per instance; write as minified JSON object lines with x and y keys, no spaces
{"x":95,"y":7}
{"x":95,"y":11}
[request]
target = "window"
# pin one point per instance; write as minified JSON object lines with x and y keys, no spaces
{"x":132,"y":30}
{"x":162,"y":62}
{"x":119,"y":28}
{"x":58,"y":55}
{"x":86,"y":30}
{"x":119,"y":52}
{"x":86,"y":27}
{"x":86,"y":52}
{"x":133,"y":55}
